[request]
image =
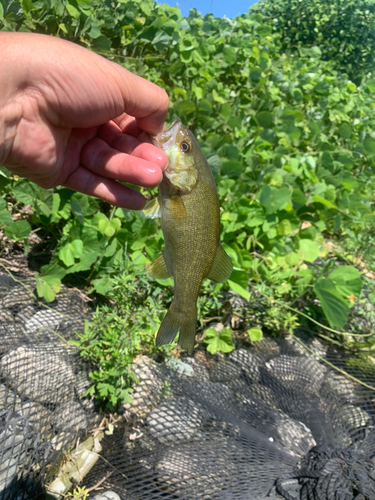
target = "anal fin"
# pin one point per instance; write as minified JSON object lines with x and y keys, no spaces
{"x":221,"y":267}
{"x":158,"y":269}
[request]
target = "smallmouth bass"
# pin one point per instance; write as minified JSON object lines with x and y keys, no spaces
{"x":190,"y":219}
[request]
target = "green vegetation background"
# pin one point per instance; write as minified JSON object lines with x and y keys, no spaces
{"x":282,"y":102}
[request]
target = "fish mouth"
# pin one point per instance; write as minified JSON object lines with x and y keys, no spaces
{"x":167,"y":138}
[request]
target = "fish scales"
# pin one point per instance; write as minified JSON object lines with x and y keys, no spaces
{"x":190,"y":218}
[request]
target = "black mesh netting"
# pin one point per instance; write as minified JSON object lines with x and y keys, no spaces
{"x":268,"y":421}
{"x":42,"y":381}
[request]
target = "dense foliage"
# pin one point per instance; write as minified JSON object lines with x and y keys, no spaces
{"x":290,"y":140}
{"x":344,"y":30}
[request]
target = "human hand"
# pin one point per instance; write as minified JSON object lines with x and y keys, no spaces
{"x":69,"y":117}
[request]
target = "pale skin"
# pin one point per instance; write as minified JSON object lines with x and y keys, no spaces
{"x":70,"y":117}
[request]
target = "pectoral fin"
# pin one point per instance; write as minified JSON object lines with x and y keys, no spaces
{"x":151,"y":210}
{"x":222,"y":266}
{"x":158,"y":269}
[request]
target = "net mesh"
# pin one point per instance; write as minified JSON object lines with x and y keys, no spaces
{"x":230,"y":427}
{"x":42,"y":383}
{"x":276,"y":419}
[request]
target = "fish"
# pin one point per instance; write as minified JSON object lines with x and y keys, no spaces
{"x":188,"y":206}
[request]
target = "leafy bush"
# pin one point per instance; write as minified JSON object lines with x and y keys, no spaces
{"x":289,"y":139}
{"x":119,"y":332}
{"x":343,"y":31}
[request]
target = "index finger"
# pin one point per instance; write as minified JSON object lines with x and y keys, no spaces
{"x":81,"y":89}
{"x":147,"y":102}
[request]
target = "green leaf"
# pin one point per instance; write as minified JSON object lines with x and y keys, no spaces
{"x":109,"y":227}
{"x":345,"y":130}
{"x":298,"y":198}
{"x":167,"y":282}
{"x":103,"y":285}
{"x":79,"y":204}
{"x":255,"y":74}
{"x":26,"y":5}
{"x":232,"y":168}
{"x":214,"y":162}
{"x":348,"y":181}
{"x":370,"y":84}
{"x":184,"y":107}
{"x":369,"y":146}
{"x":274,"y":199}
{"x":240,"y":277}
{"x":1,"y":12}
{"x":334,"y":306}
{"x":93,"y":246}
{"x":315,"y":52}
{"x":264,"y":118}
{"x":95,"y":29}
{"x":322,"y":88}
{"x":101,"y":43}
{"x":217,"y":97}
{"x":284,"y":227}
{"x":124,"y":213}
{"x":5,"y":218}
{"x":47,"y":286}
{"x":54,"y":269}
{"x":63,"y":28}
{"x":229,"y":55}
{"x":205,"y":107}
{"x":199,"y":92}
{"x":18,"y":230}
{"x":255,"y":334}
{"x":219,"y":341}
{"x":161,"y":40}
{"x":25,"y":192}
{"x":239,"y":289}
{"x":111,"y":248}
{"x":139,"y":259}
{"x":71,"y":251}
{"x":72,"y":10}
{"x":256,"y":217}
{"x":308,"y":250}
{"x":293,"y":132}
{"x":347,"y":281}
{"x":323,"y":201}
{"x":264,"y":30}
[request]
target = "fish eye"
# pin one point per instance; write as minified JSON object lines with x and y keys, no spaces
{"x":185,"y":147}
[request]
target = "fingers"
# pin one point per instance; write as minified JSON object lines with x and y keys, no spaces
{"x":99,"y":158}
{"x":147,"y":102}
{"x":78,"y":88}
{"x":128,"y":139}
{"x":106,"y":189}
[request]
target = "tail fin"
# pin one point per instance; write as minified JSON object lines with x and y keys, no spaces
{"x":175,"y":321}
